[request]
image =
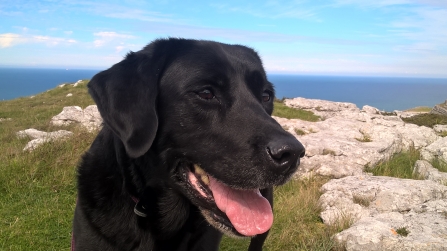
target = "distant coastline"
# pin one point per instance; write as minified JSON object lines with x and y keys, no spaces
{"x":384,"y":93}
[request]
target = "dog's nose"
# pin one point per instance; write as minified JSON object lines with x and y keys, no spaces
{"x":285,"y":153}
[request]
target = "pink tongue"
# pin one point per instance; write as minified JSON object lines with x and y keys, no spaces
{"x":249,"y":212}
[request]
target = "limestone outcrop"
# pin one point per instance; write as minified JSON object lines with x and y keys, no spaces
{"x":39,"y":137}
{"x":348,"y":138}
{"x":440,"y":109}
{"x":88,"y":118}
{"x":386,"y":213}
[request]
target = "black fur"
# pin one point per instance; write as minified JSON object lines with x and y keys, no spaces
{"x":160,"y":120}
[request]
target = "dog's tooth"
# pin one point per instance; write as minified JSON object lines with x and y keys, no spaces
{"x":199,"y":170}
{"x":205,"y":179}
{"x":203,"y":176}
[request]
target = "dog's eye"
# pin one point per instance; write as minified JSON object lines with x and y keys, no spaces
{"x":206,"y":94}
{"x":266,"y":96}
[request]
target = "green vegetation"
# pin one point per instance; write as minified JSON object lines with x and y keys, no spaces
{"x":281,"y":110}
{"x":402,"y":231}
{"x":439,"y":164}
{"x":37,"y":189}
{"x":328,"y":152}
{"x":365,"y":137}
{"x":361,"y":200}
{"x":388,"y":113}
{"x":400,"y":165}
{"x":420,"y":109}
{"x":427,"y":119}
{"x":300,"y":132}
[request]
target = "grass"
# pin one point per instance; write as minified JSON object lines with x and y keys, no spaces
{"x":420,"y":109}
{"x":439,"y":164}
{"x":400,"y":165}
{"x":328,"y":152}
{"x":365,"y":137}
{"x":283,"y":111}
{"x":300,"y":132}
{"x":38,"y":192}
{"x":361,"y":200}
{"x":427,"y":119}
{"x":402,"y":231}
{"x":38,"y":189}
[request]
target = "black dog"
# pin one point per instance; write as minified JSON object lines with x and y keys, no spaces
{"x":187,"y":148}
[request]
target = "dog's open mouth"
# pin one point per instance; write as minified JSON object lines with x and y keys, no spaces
{"x":238,"y":212}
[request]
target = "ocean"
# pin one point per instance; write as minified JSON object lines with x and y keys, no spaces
{"x":384,"y":93}
{"x":22,"y":82}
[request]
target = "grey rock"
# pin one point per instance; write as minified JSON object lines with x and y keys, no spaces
{"x":5,"y":119}
{"x":77,"y":83}
{"x":348,"y":139}
{"x":437,"y":149}
{"x":440,"y":128}
{"x":89,"y":118}
{"x":425,"y":231}
{"x":39,"y":137}
{"x":31,"y":134}
{"x":322,"y":108}
{"x":70,"y":95}
{"x":370,"y":109}
{"x":425,"y":170}
{"x":379,"y":206}
{"x":440,"y":109}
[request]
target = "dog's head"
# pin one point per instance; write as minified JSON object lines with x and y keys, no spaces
{"x":203,"y":110}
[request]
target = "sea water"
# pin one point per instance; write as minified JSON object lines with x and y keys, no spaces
{"x":384,"y":93}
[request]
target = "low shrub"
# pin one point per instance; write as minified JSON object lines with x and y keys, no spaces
{"x":283,"y":111}
{"x":427,"y":119}
{"x":400,"y":165}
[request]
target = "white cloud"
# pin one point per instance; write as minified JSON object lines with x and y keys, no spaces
{"x":112,"y":35}
{"x":121,"y":11}
{"x":52,"y":41}
{"x":113,"y":39}
{"x":425,"y":29}
{"x":119,"y":48}
{"x":10,"y":39}
{"x":98,"y":43}
{"x":349,"y":64}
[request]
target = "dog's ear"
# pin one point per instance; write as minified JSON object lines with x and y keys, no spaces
{"x":126,"y":96}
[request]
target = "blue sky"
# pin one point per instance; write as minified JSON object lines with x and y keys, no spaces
{"x":331,"y":37}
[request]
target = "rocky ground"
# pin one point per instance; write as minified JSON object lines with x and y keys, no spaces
{"x":386,"y":213}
